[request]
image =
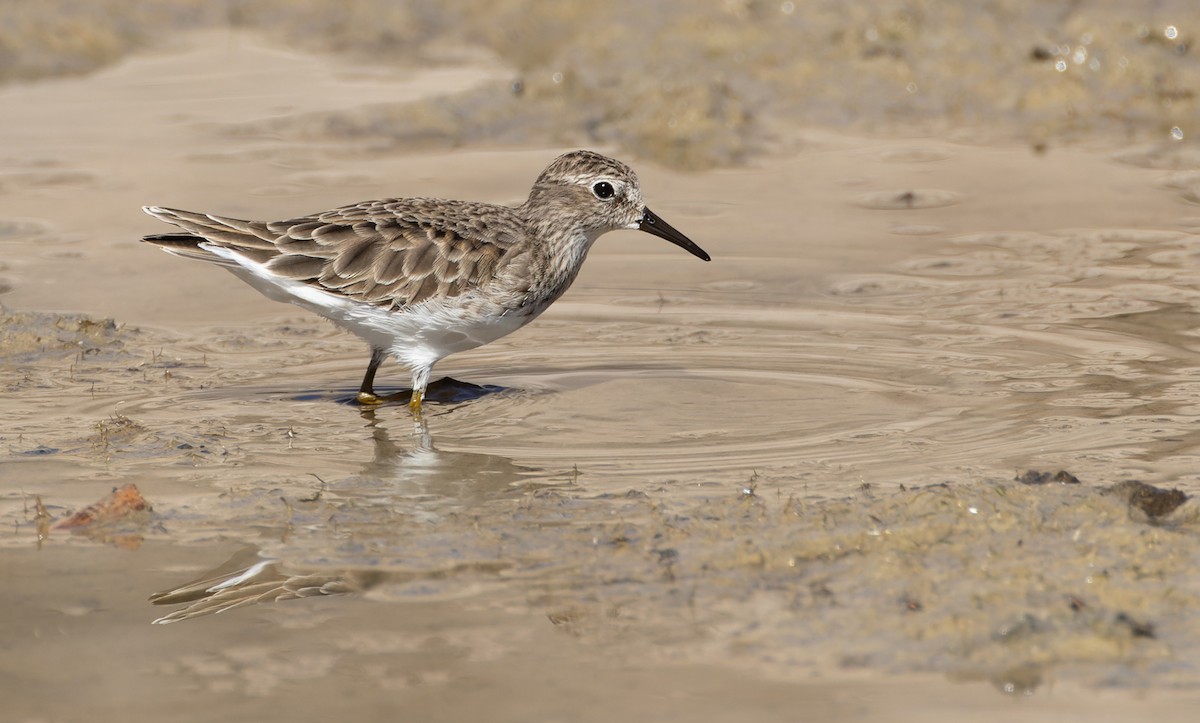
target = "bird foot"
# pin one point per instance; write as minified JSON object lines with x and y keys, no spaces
{"x":368,"y":399}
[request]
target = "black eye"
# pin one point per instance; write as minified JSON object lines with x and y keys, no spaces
{"x":603,"y":190}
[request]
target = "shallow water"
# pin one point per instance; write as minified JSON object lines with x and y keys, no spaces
{"x":716,"y":484}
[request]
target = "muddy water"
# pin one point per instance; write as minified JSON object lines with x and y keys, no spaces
{"x":778,"y":481}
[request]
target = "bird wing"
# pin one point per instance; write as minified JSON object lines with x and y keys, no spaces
{"x":393,"y":253}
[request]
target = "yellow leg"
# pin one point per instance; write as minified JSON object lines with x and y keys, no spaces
{"x":420,"y":381}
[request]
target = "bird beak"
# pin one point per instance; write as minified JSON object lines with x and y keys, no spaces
{"x":652,"y":224}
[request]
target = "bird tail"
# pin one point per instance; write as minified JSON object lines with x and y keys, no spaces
{"x":184,"y":245}
{"x":204,"y":232}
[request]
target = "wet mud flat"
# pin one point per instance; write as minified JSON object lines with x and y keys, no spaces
{"x":344,"y":520}
{"x":819,"y":474}
{"x":689,"y":86}
{"x":1012,"y":583}
{"x":413,"y":590}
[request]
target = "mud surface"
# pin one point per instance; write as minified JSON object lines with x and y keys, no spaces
{"x":820,"y":473}
{"x":688,"y":85}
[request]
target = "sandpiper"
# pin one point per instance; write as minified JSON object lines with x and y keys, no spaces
{"x":420,"y":278}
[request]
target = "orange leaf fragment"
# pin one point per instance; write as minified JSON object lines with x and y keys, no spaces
{"x":123,"y":502}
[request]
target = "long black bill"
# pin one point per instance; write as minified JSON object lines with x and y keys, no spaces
{"x":652,"y":224}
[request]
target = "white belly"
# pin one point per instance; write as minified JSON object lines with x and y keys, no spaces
{"x":418,"y":336}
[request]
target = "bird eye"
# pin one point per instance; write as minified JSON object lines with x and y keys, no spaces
{"x":603,"y":190}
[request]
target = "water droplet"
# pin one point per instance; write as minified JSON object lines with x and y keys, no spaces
{"x":1171,"y":32}
{"x":1060,"y":65}
{"x":1177,"y":133}
{"x":787,"y":8}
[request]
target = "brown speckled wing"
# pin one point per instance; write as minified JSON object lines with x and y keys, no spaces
{"x":391,"y":253}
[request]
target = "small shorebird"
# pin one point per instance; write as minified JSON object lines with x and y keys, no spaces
{"x":419,"y":278}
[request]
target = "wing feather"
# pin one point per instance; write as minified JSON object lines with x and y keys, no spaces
{"x":394,"y":252}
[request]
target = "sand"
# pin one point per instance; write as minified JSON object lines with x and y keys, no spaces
{"x":780,"y":483}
